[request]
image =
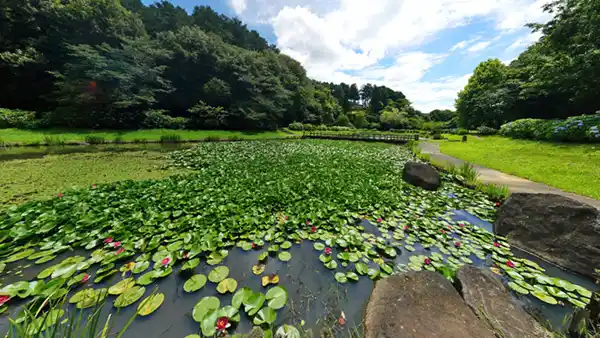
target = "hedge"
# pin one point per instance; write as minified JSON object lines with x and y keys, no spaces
{"x":583,"y":128}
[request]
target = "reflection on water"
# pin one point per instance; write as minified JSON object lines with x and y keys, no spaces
{"x":23,"y":153}
{"x":314,"y":295}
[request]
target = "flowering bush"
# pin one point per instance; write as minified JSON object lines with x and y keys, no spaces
{"x":296,"y":126}
{"x":483,"y":130}
{"x":584,"y":128}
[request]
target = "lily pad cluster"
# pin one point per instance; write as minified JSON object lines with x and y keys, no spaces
{"x":262,"y":196}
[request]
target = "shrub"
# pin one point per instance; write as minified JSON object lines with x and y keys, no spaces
{"x":433,"y":127}
{"x":308,"y":127}
{"x":157,"y":119}
{"x":483,"y":130}
{"x":170,"y":138}
{"x":584,"y":128}
{"x":94,"y":139}
{"x":20,"y":119}
{"x":436,"y":136}
{"x":296,"y":126}
{"x":462,"y":132}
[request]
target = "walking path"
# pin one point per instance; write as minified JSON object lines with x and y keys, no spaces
{"x":514,"y":183}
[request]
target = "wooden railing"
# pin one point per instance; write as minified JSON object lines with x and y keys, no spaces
{"x":374,"y":137}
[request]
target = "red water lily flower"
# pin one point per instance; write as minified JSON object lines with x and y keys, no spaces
{"x":510,"y":264}
{"x":108,"y":240}
{"x":462,"y":225}
{"x":120,"y":250}
{"x":165,"y":261}
{"x":85,"y":278}
{"x":443,"y":231}
{"x":341,"y":321}
{"x":4,"y":299}
{"x":328,"y":251}
{"x":307,"y":222}
{"x":60,"y":195}
{"x":186,"y":255}
{"x":457,"y":244}
{"x":313,"y":229}
{"x":497,"y":204}
{"x":379,"y":220}
{"x":254,"y":245}
{"x":427,"y":261}
{"x":497,"y":245}
{"x":116,"y":244}
{"x":406,"y":227}
{"x":450,"y":227}
{"x":223,"y":323}
{"x":287,"y":217}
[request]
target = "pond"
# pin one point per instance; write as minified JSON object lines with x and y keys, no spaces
{"x":24,"y":153}
{"x":326,"y":217}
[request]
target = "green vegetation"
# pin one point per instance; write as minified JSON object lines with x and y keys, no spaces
{"x":554,"y":78}
{"x":25,"y":180}
{"x":61,"y":136}
{"x":574,"y":129}
{"x":265,"y":198}
{"x":572,"y":168}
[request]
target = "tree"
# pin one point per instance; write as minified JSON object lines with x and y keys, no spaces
{"x":353,"y":94}
{"x":392,"y":118}
{"x":444,"y":115}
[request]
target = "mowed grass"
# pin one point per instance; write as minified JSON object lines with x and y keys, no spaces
{"x":25,"y":180}
{"x":12,"y":135}
{"x":570,"y":167}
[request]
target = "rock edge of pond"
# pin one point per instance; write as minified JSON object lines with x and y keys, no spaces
{"x":426,"y":304}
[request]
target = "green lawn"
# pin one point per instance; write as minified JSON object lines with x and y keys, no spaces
{"x":571,"y":167}
{"x":24,"y":180}
{"x":71,"y":135}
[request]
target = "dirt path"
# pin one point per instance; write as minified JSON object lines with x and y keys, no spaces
{"x":514,"y":183}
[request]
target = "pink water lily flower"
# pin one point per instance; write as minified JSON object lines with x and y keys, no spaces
{"x":4,"y":299}
{"x":457,"y":244}
{"x":85,"y":278}
{"x":427,"y":261}
{"x":328,"y":251}
{"x":165,"y":261}
{"x":461,"y":225}
{"x":313,"y":229}
{"x":108,"y":240}
{"x":497,"y":245}
{"x":510,"y":264}
{"x":379,"y":220}
{"x":120,"y":251}
{"x":307,"y":222}
{"x":116,"y":244}
{"x":223,"y":324}
{"x":406,"y":228}
{"x":59,"y":195}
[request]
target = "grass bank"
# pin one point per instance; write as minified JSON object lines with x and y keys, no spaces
{"x":58,"y":136}
{"x":25,"y":180}
{"x":570,"y":167}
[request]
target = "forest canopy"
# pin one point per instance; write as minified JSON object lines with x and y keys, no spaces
{"x":121,"y":64}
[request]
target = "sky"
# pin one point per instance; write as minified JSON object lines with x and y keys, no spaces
{"x":425,"y":48}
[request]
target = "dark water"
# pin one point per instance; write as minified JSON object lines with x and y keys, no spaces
{"x":314,"y":295}
{"x":24,"y":153}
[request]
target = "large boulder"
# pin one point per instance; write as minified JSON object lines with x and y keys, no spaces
{"x":420,"y":304}
{"x":421,"y":175}
{"x":492,"y":303}
{"x":553,"y":227}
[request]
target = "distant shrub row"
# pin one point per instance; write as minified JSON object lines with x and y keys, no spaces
{"x":297,"y":126}
{"x":584,"y":128}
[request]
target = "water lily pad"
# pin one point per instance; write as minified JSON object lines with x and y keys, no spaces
{"x":325,"y":258}
{"x":543,"y":279}
{"x":514,"y":275}
{"x":266,"y":315}
{"x":19,"y":255}
{"x":129,"y":297}
{"x":372,"y":273}
{"x":192,"y":263}
{"x":100,"y":278}
{"x":284,"y":256}
{"x":352,"y":276}
{"x":286,"y":245}
{"x":277,"y":297}
{"x":218,"y":274}
{"x":270,"y":279}
{"x":563,"y":284}
{"x":341,"y":277}
{"x":227,"y":285}
{"x":208,"y":324}
{"x":254,"y":303}
{"x":150,"y":304}
{"x":556,"y":292}
{"x":319,"y":246}
{"x":577,"y":303}
{"x":195,"y":283}
{"x":518,"y":288}
{"x":544,"y":297}
{"x":140,"y":267}
{"x":240,"y":296}
{"x":121,"y":286}
{"x":583,"y":291}
{"x":263,"y":256}
{"x":147,"y":278}
{"x":44,"y":259}
{"x":258,"y":269}
{"x":390,"y":252}
{"x":361,"y":268}
{"x":230,"y":312}
{"x":203,"y":306}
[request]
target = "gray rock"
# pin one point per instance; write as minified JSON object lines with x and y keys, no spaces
{"x":492,"y":303}
{"x":556,"y":228}
{"x":420,"y":304}
{"x":421,"y":175}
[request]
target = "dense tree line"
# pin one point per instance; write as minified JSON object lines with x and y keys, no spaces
{"x":557,"y":77}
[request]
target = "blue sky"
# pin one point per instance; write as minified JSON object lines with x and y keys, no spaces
{"x":426,"y":49}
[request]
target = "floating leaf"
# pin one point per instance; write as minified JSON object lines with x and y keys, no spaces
{"x":319,"y":246}
{"x":258,"y":269}
{"x":409,"y":248}
{"x":192,"y":263}
{"x":208,"y":324}
{"x":19,"y":255}
{"x":270,"y":279}
{"x":129,"y":297}
{"x":195,"y":283}
{"x":361,"y":268}
{"x":284,"y":256}
{"x":577,"y":303}
{"x":205,"y":305}
{"x":341,"y":277}
{"x":556,"y":292}
{"x":286,"y":245}
{"x":262,"y":256}
{"x":105,"y":275}
{"x":218,"y":274}
{"x":544,"y":297}
{"x":147,"y":278}
{"x":518,"y":288}
{"x":140,"y":267}
{"x":240,"y":296}
{"x":277,"y":297}
{"x":227,"y":285}
{"x":352,"y":276}
{"x":265,"y":315}
{"x":331,"y":265}
{"x":254,"y":303}
{"x":150,"y":304}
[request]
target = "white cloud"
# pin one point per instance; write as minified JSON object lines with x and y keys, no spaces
{"x":524,"y":41}
{"x":377,"y":41}
{"x":239,"y":6}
